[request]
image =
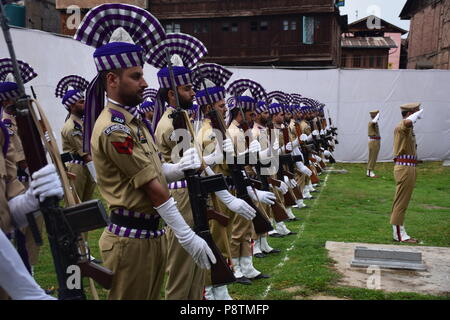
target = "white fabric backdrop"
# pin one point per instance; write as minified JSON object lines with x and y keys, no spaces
{"x":348,"y":94}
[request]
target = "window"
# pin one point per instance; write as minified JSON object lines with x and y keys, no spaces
{"x":234,"y":27}
{"x":380,"y":62}
{"x":197,"y":28}
{"x":253,"y":26}
{"x":371,"y":61}
{"x":205,"y":28}
{"x":226,"y":27}
{"x":173,"y":27}
{"x":264,"y":25}
{"x":293,"y":25}
{"x":357,"y":62}
{"x":285,"y":25}
{"x":308,"y":30}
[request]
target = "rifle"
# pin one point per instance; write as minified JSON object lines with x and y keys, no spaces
{"x":260,"y":221}
{"x":298,"y":132}
{"x":63,"y":227}
{"x":199,"y":187}
{"x":289,"y":199}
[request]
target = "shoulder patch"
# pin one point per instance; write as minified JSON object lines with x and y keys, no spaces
{"x":117,"y":116}
{"x":76,"y":133}
{"x":11,"y":133}
{"x":77,"y":126}
{"x":7,"y":123}
{"x":117,"y":127}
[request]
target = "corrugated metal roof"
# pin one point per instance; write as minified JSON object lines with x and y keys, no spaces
{"x":368,"y":43}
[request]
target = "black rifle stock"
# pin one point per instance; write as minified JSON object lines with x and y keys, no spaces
{"x":63,"y":238}
{"x":199,"y":188}
{"x":260,"y":222}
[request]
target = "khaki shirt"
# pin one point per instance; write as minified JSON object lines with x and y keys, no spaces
{"x":15,"y":152}
{"x":373,"y":129}
{"x":125,"y":158}
{"x":9,"y":185}
{"x":165,"y":137}
{"x":207,"y":141}
{"x":261,"y":134}
{"x":72,"y":136}
{"x":404,"y":140}
{"x":306,"y":129}
{"x":237,"y":136}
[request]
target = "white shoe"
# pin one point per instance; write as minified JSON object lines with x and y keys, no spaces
{"x":237,"y":268}
{"x":281,"y":228}
{"x":399,"y":234}
{"x":247,"y":268}
{"x":289,"y":213}
{"x":300,"y":204}
{"x":209,"y":293}
{"x":221,"y":293}
{"x":265,"y":245}
{"x":257,"y":246}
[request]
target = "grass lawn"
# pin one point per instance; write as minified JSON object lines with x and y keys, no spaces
{"x":350,"y":208}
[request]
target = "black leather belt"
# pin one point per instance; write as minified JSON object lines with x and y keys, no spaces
{"x":135,"y":223}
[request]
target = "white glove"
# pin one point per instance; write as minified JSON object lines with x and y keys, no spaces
{"x":14,"y":277}
{"x":288,"y":147}
{"x":303,"y":169}
{"x":236,"y":205}
{"x":46,"y":183}
{"x":175,"y":171}
{"x":22,"y":204}
{"x":377,"y":118}
{"x":291,"y":183}
{"x":303,"y":137}
{"x":193,"y":244}
{"x":215,"y":157}
{"x":415,"y":116}
{"x":265,"y":197}
{"x":327,"y":153}
{"x":315,"y":133}
{"x":421,"y":114}
{"x":322,"y":132}
{"x":91,"y":168}
{"x":283,"y":188}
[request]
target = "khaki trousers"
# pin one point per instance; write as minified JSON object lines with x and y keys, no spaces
{"x":138,"y":266}
{"x":405,"y":179}
{"x":185,"y":280}
{"x":374,"y":149}
{"x":84,"y":184}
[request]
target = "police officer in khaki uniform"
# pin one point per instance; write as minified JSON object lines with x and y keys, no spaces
{"x":374,"y":143}
{"x":185,"y":280}
{"x":242,"y":231}
{"x":131,"y":177}
{"x":71,"y":89}
{"x":15,"y":203}
{"x":405,"y":157}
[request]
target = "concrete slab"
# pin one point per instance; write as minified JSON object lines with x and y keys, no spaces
{"x":388,"y":258}
{"x":435,"y":280}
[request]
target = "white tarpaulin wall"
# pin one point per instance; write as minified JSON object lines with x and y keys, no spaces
{"x":348,"y":94}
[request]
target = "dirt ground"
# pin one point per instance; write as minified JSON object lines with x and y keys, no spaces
{"x":434,"y":281}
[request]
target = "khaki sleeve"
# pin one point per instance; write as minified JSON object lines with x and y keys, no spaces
{"x":75,"y":139}
{"x":13,"y":186}
{"x":130,"y":158}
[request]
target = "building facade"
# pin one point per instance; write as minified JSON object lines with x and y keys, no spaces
{"x":251,"y":32}
{"x":372,"y":43}
{"x":429,"y":35}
